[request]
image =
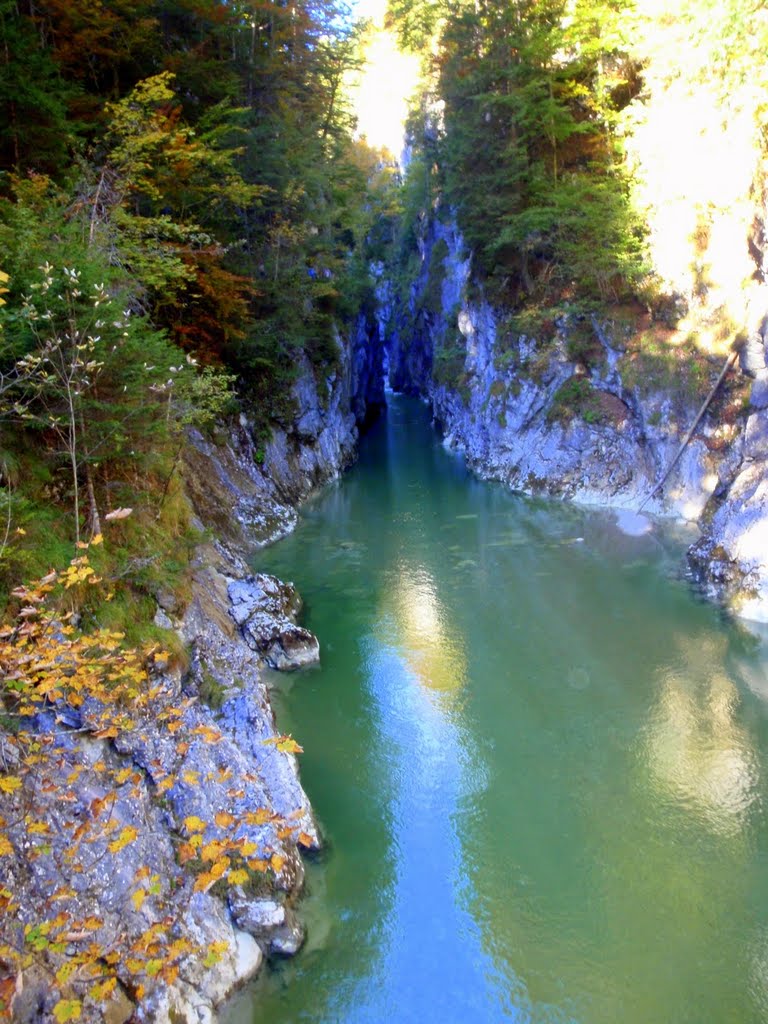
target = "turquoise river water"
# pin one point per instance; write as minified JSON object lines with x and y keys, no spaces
{"x":540,"y":762}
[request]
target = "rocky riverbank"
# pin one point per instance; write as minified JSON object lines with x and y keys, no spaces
{"x":203,"y":791}
{"x":592,"y":409}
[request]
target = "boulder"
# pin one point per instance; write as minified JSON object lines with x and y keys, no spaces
{"x":275,"y":926}
{"x":265,"y":609}
{"x":759,"y":395}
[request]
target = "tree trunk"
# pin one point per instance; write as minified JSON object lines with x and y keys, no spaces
{"x":94,"y":508}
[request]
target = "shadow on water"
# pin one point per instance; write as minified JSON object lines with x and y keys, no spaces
{"x":538,"y":760}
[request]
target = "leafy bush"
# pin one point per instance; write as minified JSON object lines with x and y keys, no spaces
{"x":575,"y":398}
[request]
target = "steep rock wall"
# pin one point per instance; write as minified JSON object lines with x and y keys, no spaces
{"x":321,"y":437}
{"x":731,"y":557}
{"x":233,"y":626}
{"x":577,"y":412}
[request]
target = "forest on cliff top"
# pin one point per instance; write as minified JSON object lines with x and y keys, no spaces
{"x":596,"y":153}
{"x":195,"y":165}
{"x":183,"y":220}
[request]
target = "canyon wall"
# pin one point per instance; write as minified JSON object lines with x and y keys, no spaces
{"x":592,"y":408}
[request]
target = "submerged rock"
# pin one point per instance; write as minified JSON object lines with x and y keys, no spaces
{"x":633,"y":524}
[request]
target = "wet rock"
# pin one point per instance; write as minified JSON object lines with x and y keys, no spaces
{"x":247,"y":493}
{"x":287,"y":941}
{"x":274,"y":925}
{"x":291,"y":648}
{"x":284,"y":645}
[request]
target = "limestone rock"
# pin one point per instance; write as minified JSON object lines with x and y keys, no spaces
{"x":287,"y":941}
{"x":505,"y":418}
{"x":752,"y":355}
{"x":731,"y":559}
{"x":759,"y":395}
{"x":262,"y":593}
{"x":161,"y":620}
{"x":501,"y":413}
{"x":244,"y":771}
{"x":273,"y":925}
{"x":226,"y":729}
{"x":167,"y":600}
{"x":233,"y":496}
{"x":258,"y":917}
{"x":265,"y":609}
{"x":320,"y":440}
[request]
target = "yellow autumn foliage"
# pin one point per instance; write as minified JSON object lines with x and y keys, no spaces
{"x":45,"y":658}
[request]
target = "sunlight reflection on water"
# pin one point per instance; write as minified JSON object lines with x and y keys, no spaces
{"x":414,"y":618}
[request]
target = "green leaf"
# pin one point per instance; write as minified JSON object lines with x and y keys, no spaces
{"x":67,"y":1009}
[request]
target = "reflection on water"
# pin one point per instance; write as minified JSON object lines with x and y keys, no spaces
{"x":538,"y":761}
{"x":697,"y":749}
{"x":414,"y":619}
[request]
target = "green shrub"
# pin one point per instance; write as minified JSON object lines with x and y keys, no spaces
{"x":575,"y":398}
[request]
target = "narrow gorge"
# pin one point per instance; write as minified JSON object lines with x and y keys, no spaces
{"x":442,"y":474}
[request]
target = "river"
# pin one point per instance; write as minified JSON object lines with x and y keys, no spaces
{"x":539,"y":760}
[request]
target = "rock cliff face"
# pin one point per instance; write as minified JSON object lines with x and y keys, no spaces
{"x":248,"y":497}
{"x":320,"y":440}
{"x":235,"y":624}
{"x":731,"y":558}
{"x":204,"y":759}
{"x":220,"y":771}
{"x":574,"y":408}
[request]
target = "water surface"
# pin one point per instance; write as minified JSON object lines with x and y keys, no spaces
{"x":539,"y":761}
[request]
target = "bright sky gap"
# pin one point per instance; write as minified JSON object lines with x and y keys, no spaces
{"x":385,"y":84}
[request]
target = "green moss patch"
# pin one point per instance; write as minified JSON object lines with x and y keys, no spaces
{"x":578,"y":398}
